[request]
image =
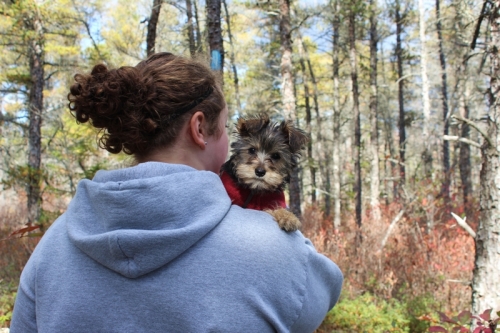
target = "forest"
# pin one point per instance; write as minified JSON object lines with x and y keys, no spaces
{"x":399,"y":183}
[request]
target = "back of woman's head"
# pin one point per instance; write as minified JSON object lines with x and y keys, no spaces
{"x":141,"y":109}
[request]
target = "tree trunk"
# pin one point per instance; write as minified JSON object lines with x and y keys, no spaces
{"x":391,"y":168}
{"x":233,"y":61}
{"x":305,"y":82}
{"x":190,"y":23}
{"x":336,"y":118}
{"x":401,"y":122}
{"x":215,"y":41}
{"x":287,"y":74}
{"x":287,"y":95}
{"x":356,"y":115}
{"x":35,"y":107}
{"x":445,"y":191}
{"x":426,"y":154}
{"x":485,"y":282}
{"x":464,"y":164}
{"x":374,"y":170}
{"x":319,"y":137}
{"x":426,"y":133}
{"x":152,"y":23}
{"x":199,"y":44}
{"x":464,"y":157}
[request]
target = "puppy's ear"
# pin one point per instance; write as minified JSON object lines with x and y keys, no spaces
{"x":247,"y":127}
{"x":297,"y":138}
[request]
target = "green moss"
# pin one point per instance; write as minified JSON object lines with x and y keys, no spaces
{"x":369,"y":314}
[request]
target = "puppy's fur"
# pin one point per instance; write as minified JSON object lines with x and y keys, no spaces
{"x":262,"y":159}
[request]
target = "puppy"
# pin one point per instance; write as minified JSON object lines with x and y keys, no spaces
{"x":262,"y":158}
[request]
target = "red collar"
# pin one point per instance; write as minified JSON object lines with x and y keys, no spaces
{"x":260,"y":201}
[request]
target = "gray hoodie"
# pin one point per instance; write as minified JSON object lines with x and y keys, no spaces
{"x":159,"y":248}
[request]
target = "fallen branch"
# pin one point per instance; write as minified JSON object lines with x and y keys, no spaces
{"x":391,"y":227}
{"x":464,"y":282}
{"x":461,"y":222}
{"x":464,"y":140}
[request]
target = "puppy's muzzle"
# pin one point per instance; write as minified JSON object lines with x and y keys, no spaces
{"x":260,"y":172}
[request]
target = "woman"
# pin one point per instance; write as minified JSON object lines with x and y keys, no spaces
{"x":158,"y":247}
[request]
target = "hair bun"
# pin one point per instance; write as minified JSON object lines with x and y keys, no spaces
{"x":140,"y":109}
{"x":111,"y":100}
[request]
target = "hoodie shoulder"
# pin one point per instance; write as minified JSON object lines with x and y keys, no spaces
{"x":306,"y":283}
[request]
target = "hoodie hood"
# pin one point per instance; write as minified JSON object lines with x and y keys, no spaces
{"x":138,"y":219}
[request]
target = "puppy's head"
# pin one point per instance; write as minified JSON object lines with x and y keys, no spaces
{"x":265,"y":153}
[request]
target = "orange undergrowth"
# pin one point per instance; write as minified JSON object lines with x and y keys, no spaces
{"x":419,"y":258}
{"x":14,"y":253}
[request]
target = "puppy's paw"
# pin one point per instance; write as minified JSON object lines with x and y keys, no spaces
{"x":286,"y":219}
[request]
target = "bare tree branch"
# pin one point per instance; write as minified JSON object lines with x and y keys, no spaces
{"x":474,"y":125}
{"x":12,"y":91}
{"x":461,"y":222}
{"x":94,"y":43}
{"x":394,"y":161}
{"x":464,"y":140}
{"x":12,"y":120}
{"x":478,"y":25}
{"x":391,"y":227}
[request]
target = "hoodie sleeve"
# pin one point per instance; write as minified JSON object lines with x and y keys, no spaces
{"x":24,"y":315}
{"x":323,"y":285}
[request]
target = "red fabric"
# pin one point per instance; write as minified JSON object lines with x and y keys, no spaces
{"x":260,"y":201}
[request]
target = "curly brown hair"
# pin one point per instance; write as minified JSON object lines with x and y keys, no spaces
{"x":141,"y":109}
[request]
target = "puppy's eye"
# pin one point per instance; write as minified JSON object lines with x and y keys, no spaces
{"x":275,"y":156}
{"x":251,"y":150}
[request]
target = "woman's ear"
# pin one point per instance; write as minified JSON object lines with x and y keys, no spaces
{"x":198,"y":129}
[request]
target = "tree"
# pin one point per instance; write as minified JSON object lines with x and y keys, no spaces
{"x":463,"y":92}
{"x":233,"y":60}
{"x":390,"y":166}
{"x":36,"y":43}
{"x":485,"y":282}
{"x":26,"y":36}
{"x":307,"y":99}
{"x":336,"y":115}
{"x":353,"y":57}
{"x":287,"y":93}
{"x":199,"y":44}
{"x":426,"y":104}
{"x":190,"y":28}
{"x":444,"y":98}
{"x":401,"y":79}
{"x":214,"y":30}
{"x":320,"y":147}
{"x":322,"y":150}
{"x":32,"y":73}
{"x":152,"y":24}
{"x":464,"y":155}
{"x":374,"y":165}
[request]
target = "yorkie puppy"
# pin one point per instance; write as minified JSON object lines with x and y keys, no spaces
{"x":260,"y":165}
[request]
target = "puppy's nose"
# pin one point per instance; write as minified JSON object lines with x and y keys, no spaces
{"x":260,"y":172}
